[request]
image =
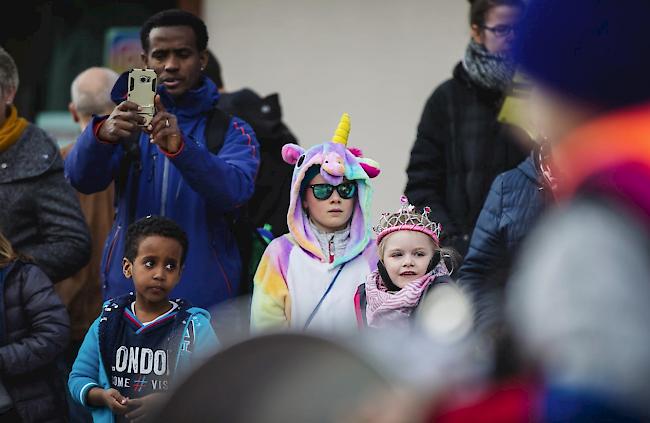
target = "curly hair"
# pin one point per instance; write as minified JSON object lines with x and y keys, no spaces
{"x":153,"y":226}
{"x":175,"y":17}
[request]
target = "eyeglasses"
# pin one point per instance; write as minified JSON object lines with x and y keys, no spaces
{"x":502,"y":31}
{"x":346,"y":190}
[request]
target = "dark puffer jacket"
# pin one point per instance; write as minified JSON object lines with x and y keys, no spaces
{"x":40,"y":213}
{"x":459,"y":150}
{"x":513,"y":205}
{"x":34,"y":330}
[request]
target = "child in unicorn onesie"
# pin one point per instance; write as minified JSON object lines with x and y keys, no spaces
{"x":307,"y":278}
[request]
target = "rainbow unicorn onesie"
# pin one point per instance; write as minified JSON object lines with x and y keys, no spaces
{"x":298,"y":285}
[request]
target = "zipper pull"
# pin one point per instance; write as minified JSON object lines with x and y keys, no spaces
{"x":331,"y":248}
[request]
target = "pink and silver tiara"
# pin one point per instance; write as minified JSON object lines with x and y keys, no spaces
{"x":407,"y":219}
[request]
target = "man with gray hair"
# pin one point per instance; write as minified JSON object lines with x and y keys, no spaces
{"x":91,"y":94}
{"x":40,"y":214}
{"x":82,"y":293}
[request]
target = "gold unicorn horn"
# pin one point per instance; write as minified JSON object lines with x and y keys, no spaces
{"x":342,"y":131}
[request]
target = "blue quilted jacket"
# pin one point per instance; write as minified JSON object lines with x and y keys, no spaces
{"x":515,"y":201}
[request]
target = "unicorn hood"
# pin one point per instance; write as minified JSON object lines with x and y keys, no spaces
{"x":337,"y":161}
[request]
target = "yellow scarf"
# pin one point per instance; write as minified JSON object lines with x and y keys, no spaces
{"x":11,"y":129}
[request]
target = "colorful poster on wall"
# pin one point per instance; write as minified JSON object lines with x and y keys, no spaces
{"x":122,"y":49}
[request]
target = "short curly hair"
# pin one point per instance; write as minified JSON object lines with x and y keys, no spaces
{"x":153,"y":226}
{"x":175,"y":17}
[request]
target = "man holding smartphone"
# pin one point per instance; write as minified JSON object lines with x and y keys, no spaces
{"x":166,"y":168}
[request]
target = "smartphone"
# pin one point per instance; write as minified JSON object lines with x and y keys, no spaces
{"x":142,"y":90}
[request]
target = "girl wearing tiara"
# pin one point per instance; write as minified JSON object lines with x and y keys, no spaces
{"x":410,"y":263}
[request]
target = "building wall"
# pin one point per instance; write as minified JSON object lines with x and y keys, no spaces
{"x":378,"y":60}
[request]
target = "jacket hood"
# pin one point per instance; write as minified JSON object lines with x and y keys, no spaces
{"x":337,"y":161}
{"x":528,"y":168}
{"x":196,"y":101}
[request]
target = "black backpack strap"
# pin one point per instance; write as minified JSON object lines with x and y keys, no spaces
{"x":216,"y":129}
{"x":241,"y":227}
{"x":360,"y":303}
{"x":441,"y":279}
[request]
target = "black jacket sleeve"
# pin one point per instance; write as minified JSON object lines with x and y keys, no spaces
{"x":65,"y":241}
{"x":426,"y":171}
{"x":49,"y":325}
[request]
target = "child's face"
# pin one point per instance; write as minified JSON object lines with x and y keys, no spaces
{"x":156,"y":269}
{"x":333,"y":213}
{"x":407,"y":255}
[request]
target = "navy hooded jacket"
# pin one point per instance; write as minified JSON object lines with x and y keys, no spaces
{"x":194,"y":187}
{"x":515,"y":201}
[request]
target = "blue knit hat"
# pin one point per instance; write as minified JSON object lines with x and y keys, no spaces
{"x":596,"y":51}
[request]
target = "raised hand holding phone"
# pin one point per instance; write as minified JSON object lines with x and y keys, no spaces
{"x":136,"y":112}
{"x":163,"y":129}
{"x":121,"y":123}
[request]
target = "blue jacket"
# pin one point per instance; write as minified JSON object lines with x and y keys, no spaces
{"x":34,"y":330}
{"x":194,"y":188}
{"x":89,"y":371}
{"x":515,"y":201}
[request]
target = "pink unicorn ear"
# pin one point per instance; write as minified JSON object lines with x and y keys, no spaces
{"x":291,"y":153}
{"x":370,"y":166}
{"x":356,"y":152}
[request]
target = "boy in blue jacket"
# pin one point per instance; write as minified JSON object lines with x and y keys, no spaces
{"x":142,"y":342}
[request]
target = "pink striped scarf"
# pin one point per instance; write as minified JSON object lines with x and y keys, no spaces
{"x":385,"y":308}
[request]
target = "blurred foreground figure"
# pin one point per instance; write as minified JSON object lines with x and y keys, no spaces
{"x":275,"y":378}
{"x":576,"y":305}
{"x":376,"y":376}
{"x":578,"y":300}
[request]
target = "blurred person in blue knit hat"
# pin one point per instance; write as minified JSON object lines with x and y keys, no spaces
{"x":577,"y":302}
{"x":576,"y":305}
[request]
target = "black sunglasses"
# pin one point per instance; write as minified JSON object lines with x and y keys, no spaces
{"x":346,"y":190}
